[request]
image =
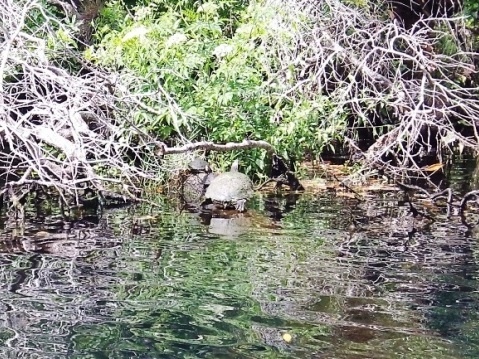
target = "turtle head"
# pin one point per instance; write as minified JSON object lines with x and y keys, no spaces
{"x":234,"y":166}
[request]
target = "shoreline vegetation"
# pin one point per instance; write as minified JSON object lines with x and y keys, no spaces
{"x":99,"y":99}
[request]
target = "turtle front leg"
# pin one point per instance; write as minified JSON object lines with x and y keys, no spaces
{"x":240,"y":205}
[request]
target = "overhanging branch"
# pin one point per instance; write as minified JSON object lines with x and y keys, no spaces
{"x":211,"y":146}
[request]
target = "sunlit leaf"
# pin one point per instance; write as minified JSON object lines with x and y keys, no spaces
{"x":434,"y":167}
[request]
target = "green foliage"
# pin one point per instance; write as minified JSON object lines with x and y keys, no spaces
{"x":357,"y":3}
{"x":471,"y":10}
{"x":215,"y":61}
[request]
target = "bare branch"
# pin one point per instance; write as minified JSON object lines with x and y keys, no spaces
{"x":246,"y":144}
{"x":57,"y":129}
{"x":396,"y":81}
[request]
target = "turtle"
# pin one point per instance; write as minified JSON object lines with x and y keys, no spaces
{"x":230,"y":189}
{"x":195,"y":181}
{"x":199,"y":165}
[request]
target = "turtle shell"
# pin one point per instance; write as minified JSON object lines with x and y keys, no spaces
{"x":230,"y":187}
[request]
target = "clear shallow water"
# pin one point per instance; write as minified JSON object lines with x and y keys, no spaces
{"x":344,"y":279}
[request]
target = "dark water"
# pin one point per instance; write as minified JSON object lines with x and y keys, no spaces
{"x":343,"y":279}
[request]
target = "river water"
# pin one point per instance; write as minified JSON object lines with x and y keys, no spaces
{"x":310,"y":276}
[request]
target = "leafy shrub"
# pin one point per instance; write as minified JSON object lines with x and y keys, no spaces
{"x":219,"y":63}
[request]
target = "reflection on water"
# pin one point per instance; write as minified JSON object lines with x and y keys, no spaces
{"x":344,"y":279}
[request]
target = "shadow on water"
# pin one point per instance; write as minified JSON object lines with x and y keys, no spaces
{"x":343,"y":279}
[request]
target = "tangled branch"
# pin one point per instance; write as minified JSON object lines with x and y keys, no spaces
{"x":401,"y":84}
{"x":57,"y":129}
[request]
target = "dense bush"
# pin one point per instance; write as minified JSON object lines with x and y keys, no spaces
{"x":220,"y":64}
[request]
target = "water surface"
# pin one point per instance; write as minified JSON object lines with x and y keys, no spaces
{"x":344,"y":279}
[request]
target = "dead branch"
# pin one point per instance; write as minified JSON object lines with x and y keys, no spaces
{"x":60,"y":130}
{"x":211,"y":146}
{"x":452,"y":200}
{"x":394,"y":80}
{"x":467,"y":197}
